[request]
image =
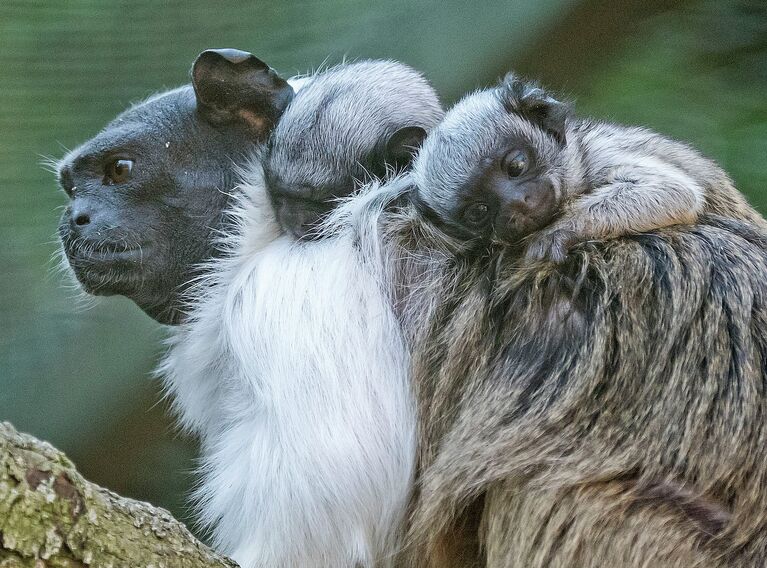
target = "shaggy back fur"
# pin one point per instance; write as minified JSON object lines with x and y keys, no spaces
{"x":605,"y":412}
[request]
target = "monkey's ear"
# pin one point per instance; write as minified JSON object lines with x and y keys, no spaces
{"x":403,"y":145}
{"x":235,"y":86}
{"x":536,"y":105}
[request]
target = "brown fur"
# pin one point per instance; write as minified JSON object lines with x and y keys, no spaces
{"x":608,"y":411}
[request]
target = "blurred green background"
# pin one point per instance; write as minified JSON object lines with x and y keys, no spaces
{"x":78,"y":373}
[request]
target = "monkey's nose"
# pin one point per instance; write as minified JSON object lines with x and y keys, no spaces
{"x":530,"y":198}
{"x":285,"y":213}
{"x":81,"y":219}
{"x":80,"y":216}
{"x":299,"y":232}
{"x":88,"y":218}
{"x":522,"y":199}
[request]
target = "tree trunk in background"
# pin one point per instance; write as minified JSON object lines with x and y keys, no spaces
{"x":590,"y":33}
{"x":50,"y":516}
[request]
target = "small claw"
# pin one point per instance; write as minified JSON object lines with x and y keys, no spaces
{"x":551,"y":246}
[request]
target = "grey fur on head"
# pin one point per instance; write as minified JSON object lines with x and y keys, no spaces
{"x":342,"y":128}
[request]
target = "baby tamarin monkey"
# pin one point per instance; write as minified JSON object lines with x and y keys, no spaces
{"x":348,"y":123}
{"x":512,"y":164}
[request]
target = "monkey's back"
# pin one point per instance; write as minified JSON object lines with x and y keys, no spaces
{"x":606,"y":412}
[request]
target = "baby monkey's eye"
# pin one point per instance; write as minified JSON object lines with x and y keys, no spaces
{"x":118,"y":171}
{"x":515,"y":163}
{"x":476,"y":214}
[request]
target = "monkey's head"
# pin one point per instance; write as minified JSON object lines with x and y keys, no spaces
{"x":496,"y":167}
{"x":147,"y":194}
{"x":348,"y":123}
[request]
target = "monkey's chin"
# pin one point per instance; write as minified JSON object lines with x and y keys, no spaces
{"x":109,"y":274}
{"x":517,"y":229}
{"x":153,"y":295}
{"x":108,"y":283}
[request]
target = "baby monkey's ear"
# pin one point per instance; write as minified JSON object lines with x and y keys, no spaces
{"x":236,"y":87}
{"x":403,"y":145}
{"x":532,"y":102}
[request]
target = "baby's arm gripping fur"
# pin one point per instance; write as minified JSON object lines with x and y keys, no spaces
{"x":645,"y":195}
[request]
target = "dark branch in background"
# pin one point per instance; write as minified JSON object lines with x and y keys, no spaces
{"x":587,"y":36}
{"x":51,"y":516}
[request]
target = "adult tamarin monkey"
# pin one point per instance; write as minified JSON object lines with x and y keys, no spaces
{"x":292,"y":368}
{"x":146,"y":196}
{"x":605,"y":410}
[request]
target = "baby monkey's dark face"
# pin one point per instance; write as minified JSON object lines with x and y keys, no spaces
{"x":306,"y":186}
{"x":300,"y":205}
{"x":508,"y":197}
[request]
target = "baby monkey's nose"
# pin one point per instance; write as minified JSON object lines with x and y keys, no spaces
{"x":530,"y":197}
{"x":524,"y":208}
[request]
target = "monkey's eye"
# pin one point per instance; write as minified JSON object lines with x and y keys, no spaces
{"x":515,"y":163}
{"x":118,"y":171}
{"x":476,"y":214}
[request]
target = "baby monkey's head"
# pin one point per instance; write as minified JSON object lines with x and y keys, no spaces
{"x":346,"y":124}
{"x":496,"y":166}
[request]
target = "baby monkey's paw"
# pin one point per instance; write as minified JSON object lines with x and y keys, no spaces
{"x":551,"y":245}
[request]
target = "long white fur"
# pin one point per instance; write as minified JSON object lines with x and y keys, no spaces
{"x":293,"y":371}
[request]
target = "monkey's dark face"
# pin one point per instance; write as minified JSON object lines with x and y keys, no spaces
{"x":301,"y":202}
{"x":508,"y":197}
{"x":148,"y":194}
{"x":305,"y":185}
{"x":495,"y":168}
{"x":145,"y":197}
{"x":301,"y":207}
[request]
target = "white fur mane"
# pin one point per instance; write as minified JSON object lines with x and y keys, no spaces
{"x":293,"y":371}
